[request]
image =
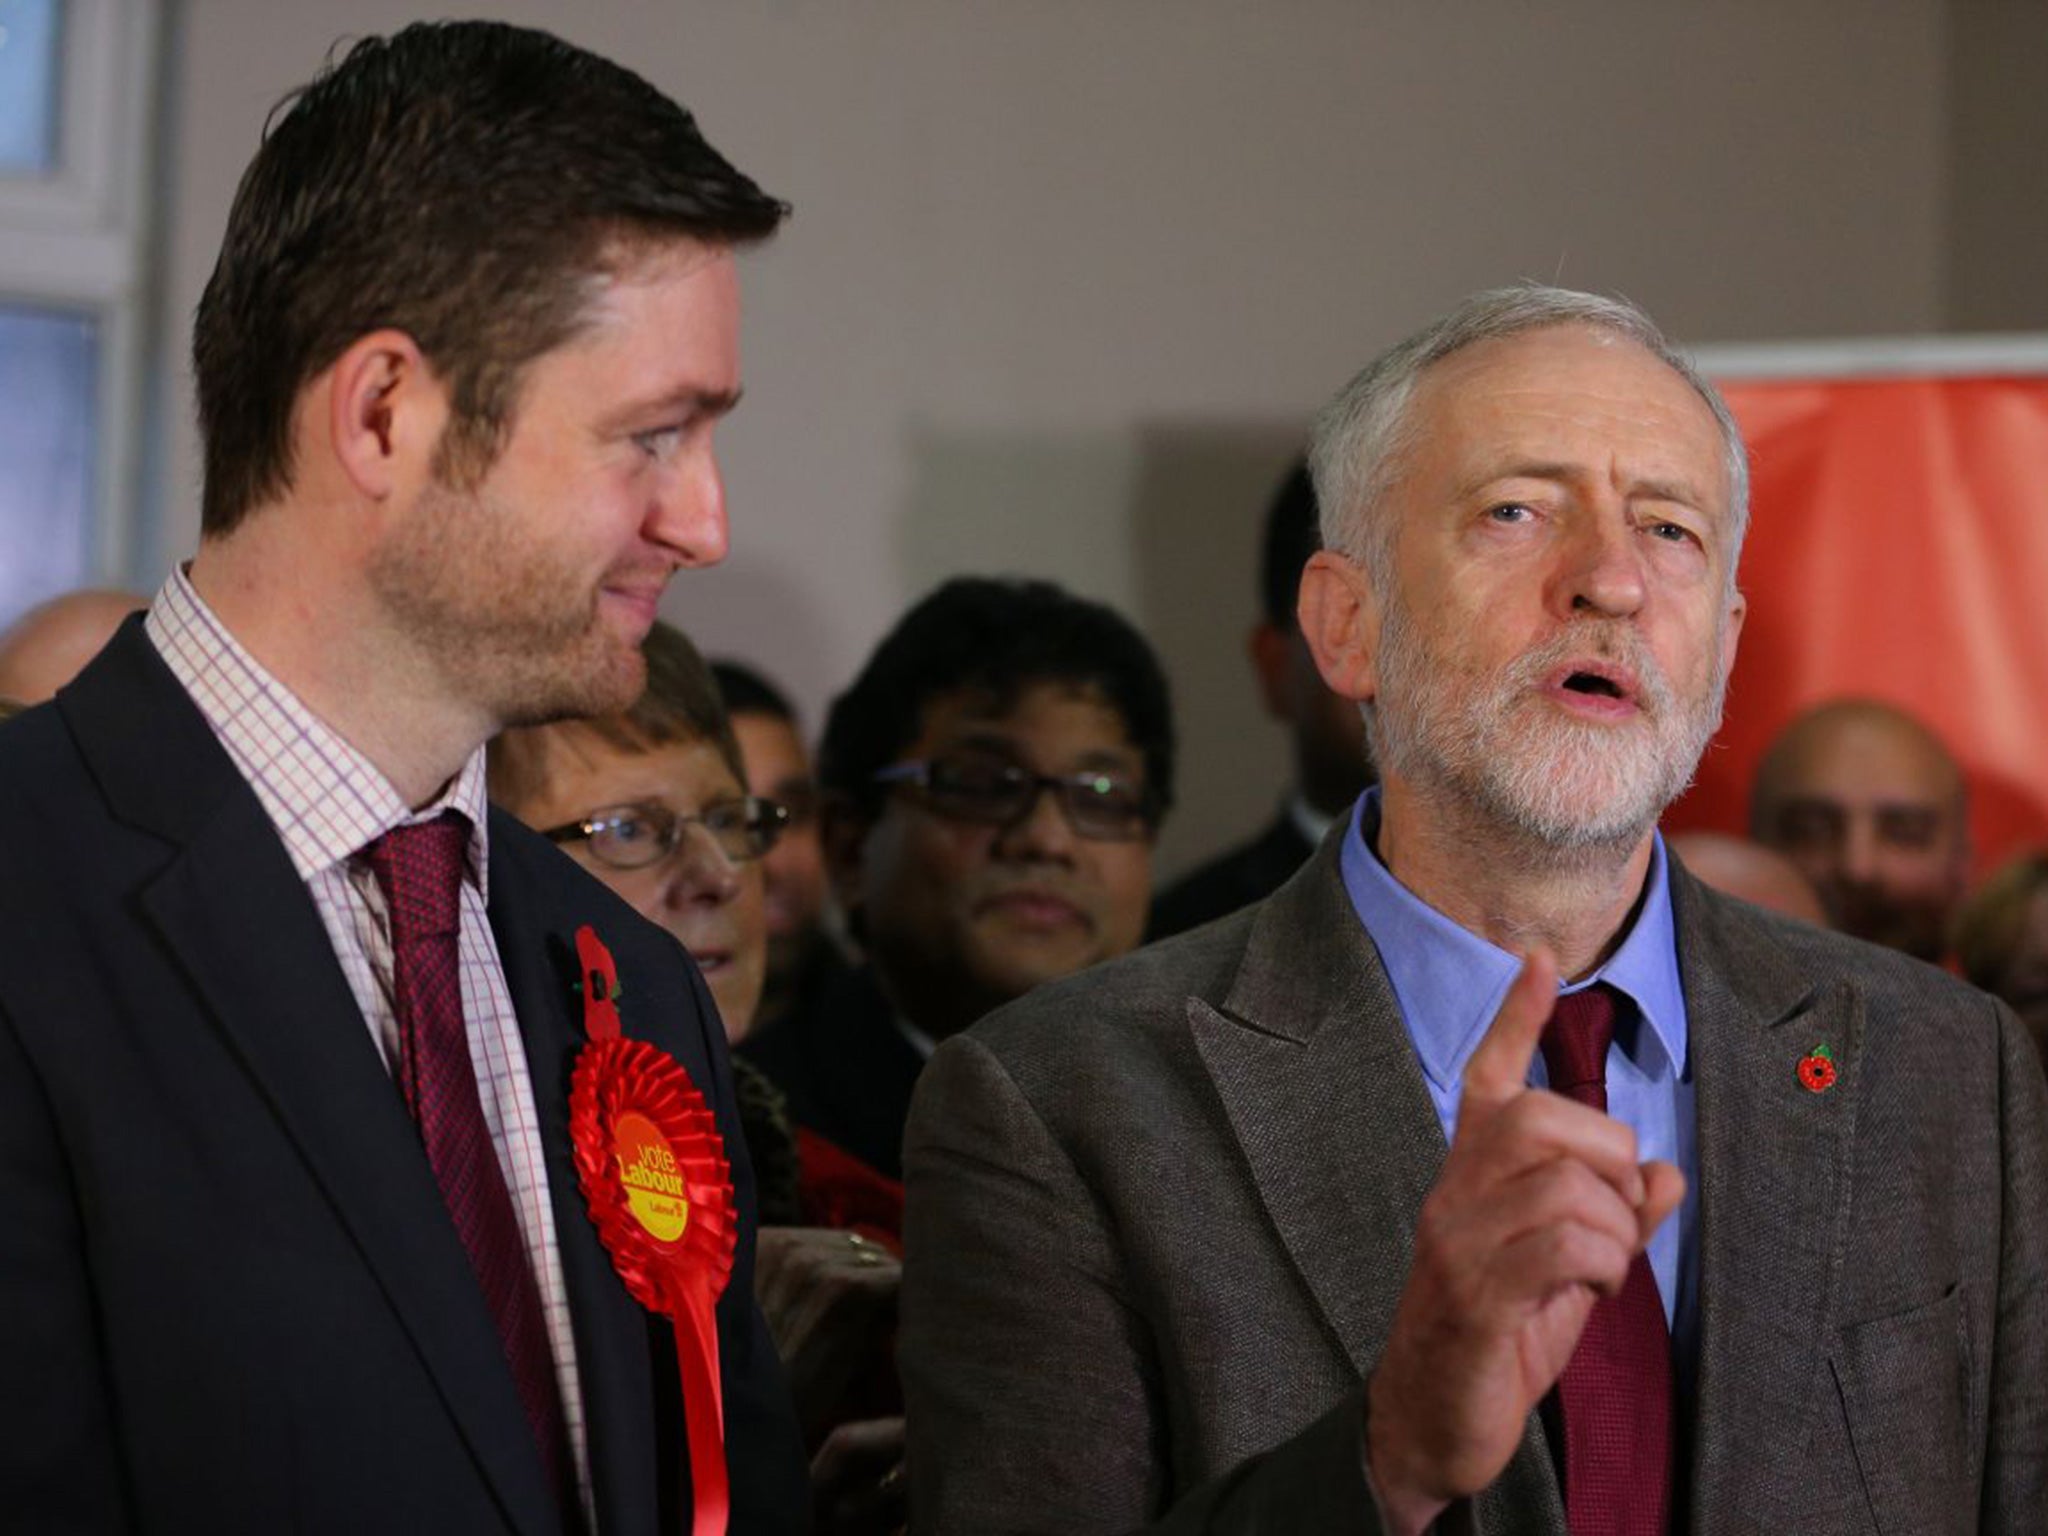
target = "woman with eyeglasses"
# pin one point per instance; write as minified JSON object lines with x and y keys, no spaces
{"x":653,"y":803}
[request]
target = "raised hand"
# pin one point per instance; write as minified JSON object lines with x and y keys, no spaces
{"x":1540,"y":1207}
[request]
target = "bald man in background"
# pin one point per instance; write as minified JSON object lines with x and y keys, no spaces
{"x":1871,"y":805}
{"x":51,"y":643}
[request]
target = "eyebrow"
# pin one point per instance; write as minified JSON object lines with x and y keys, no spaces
{"x":709,"y":402}
{"x":1682,"y":492}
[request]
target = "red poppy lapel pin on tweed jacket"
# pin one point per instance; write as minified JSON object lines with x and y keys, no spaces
{"x":1817,"y":1070}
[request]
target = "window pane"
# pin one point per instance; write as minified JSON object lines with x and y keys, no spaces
{"x":29,"y":64}
{"x":49,"y":393}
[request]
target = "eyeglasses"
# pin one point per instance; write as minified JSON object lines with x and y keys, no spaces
{"x":991,"y":792}
{"x":635,"y":836}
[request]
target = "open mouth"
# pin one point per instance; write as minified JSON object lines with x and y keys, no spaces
{"x":1594,"y":684}
{"x":1597,"y":689}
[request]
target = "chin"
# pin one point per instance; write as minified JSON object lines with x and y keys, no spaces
{"x":608,"y":686}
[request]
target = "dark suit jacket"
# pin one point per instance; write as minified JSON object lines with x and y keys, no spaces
{"x":1160,"y":1215}
{"x":845,"y":1068}
{"x":231,"y":1299}
{"x":1247,"y":873}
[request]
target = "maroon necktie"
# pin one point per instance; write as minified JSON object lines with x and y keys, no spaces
{"x":1615,"y":1395}
{"x":419,"y":868}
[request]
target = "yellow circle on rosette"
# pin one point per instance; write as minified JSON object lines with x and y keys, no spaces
{"x":651,"y":1175}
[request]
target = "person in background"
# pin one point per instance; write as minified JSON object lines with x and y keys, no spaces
{"x":2001,"y":940}
{"x":993,"y":782}
{"x":1332,"y":763}
{"x":1872,"y":807}
{"x":651,"y":801}
{"x":1754,"y":873}
{"x":47,"y":646}
{"x":803,"y":960}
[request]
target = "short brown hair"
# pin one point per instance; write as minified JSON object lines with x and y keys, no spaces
{"x":461,"y":182}
{"x":681,"y":703}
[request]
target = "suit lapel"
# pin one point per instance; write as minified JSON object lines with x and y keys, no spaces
{"x":1327,"y":1102}
{"x":612,"y":1341}
{"x":1774,"y":1166}
{"x":1316,"y":1075}
{"x":241,"y":924}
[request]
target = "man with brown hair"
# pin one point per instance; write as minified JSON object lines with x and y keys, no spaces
{"x":291,"y":1229}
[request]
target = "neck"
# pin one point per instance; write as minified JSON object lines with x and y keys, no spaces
{"x":322,"y":639}
{"x":1511,"y":891}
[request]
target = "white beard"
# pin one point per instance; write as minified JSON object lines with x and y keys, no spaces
{"x":1568,"y":786}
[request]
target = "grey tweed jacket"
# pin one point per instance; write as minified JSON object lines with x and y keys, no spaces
{"x":1160,"y":1213}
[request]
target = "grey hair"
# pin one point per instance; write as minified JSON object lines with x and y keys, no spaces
{"x":1360,"y":437}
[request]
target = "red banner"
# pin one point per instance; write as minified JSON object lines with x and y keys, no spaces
{"x":1898,"y":550}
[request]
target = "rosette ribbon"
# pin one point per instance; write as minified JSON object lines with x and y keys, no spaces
{"x":656,"y":1180}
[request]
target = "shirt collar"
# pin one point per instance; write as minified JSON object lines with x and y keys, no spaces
{"x":1449,"y":982}
{"x":327,"y":800}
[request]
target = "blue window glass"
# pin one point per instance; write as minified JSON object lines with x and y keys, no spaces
{"x":29,"y":65}
{"x":49,"y":406}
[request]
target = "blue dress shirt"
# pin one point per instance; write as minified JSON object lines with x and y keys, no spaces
{"x":1449,"y":984}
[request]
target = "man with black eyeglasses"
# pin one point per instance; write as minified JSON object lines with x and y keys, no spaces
{"x":993,"y":783}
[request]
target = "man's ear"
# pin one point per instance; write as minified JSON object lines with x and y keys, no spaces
{"x":385,"y":414}
{"x":1340,"y":620}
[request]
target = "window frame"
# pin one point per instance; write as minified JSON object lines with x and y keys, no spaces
{"x":75,"y":239}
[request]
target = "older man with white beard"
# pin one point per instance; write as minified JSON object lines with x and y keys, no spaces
{"x":1493,"y":1175}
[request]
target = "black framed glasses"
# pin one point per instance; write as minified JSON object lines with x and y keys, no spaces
{"x":635,"y":836}
{"x":1103,"y":806}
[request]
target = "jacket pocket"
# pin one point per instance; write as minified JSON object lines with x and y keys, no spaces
{"x":1905,"y":1385}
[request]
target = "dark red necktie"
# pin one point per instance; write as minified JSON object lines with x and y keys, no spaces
{"x":419,"y":868}
{"x":1615,"y":1395}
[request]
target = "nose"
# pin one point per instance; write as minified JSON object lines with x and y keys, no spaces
{"x":1859,"y":851}
{"x":699,"y":872}
{"x":1603,"y":566}
{"x":688,"y":513}
{"x":1043,"y":832}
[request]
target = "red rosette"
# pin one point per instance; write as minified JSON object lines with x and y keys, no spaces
{"x":656,"y":1180}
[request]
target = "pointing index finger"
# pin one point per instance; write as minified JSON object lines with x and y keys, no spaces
{"x":1499,"y":1069}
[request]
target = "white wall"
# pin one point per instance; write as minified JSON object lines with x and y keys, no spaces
{"x":1066,"y":278}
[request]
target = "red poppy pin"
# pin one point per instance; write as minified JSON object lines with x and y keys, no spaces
{"x":1817,"y":1071}
{"x":655,"y":1177}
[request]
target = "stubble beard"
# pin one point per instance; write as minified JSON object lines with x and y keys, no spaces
{"x":1564,"y":789}
{"x":502,"y":626}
